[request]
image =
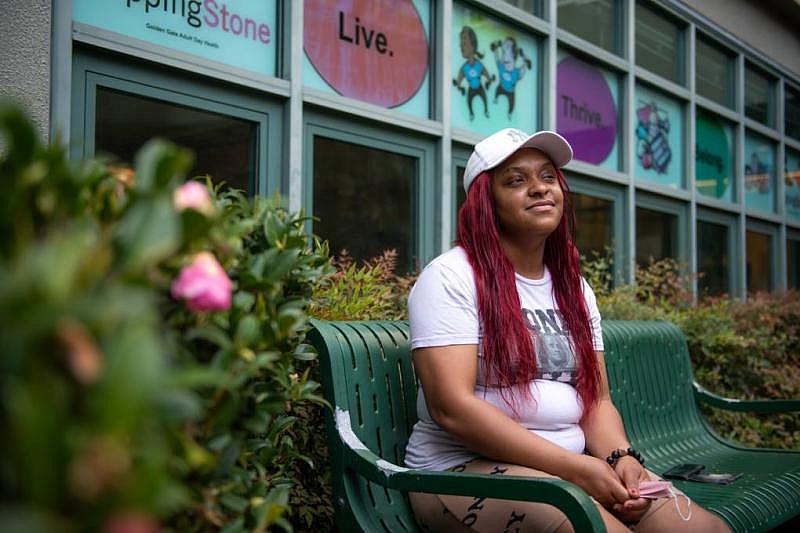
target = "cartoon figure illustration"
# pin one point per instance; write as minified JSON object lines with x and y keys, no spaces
{"x":473,"y":70}
{"x":756,"y":174}
{"x":652,"y":148}
{"x":506,"y":54}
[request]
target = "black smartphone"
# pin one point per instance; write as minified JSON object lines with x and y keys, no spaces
{"x":683,"y":471}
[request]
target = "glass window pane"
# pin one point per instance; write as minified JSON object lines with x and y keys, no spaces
{"x":587,"y":115}
{"x":531,"y":6}
{"x":792,"y":112}
{"x":597,"y":21}
{"x":223,"y":146}
{"x":792,"y":182}
{"x":712,"y":259}
{"x":363,"y":199}
{"x":495,"y":69}
{"x":374,"y":52}
{"x":714,"y":78}
{"x":659,"y":138}
{"x":656,"y":235}
{"x":593,"y":223}
{"x":461,"y":194}
{"x":759,"y":173}
{"x":714,"y":157}
{"x":659,"y":44}
{"x":759,"y":269}
{"x":758,"y":97}
{"x":793,"y":264}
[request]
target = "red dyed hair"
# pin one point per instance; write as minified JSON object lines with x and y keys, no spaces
{"x":508,"y":350}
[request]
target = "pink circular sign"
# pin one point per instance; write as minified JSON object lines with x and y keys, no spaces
{"x":586,"y":114}
{"x":372,"y":50}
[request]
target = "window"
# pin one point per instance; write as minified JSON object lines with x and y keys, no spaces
{"x":597,"y":21}
{"x":714,"y":70}
{"x":792,"y":112}
{"x":759,"y":99}
{"x":793,"y":264}
{"x":587,"y":115}
{"x":792,"y":184}
{"x":659,"y":138}
{"x":495,"y":69}
{"x":714,"y":151}
{"x":659,"y":43}
{"x":363,"y":198}
{"x":593,"y":224}
{"x":759,"y":173}
{"x":759,"y":261}
{"x":656,"y":235}
{"x":531,"y":6}
{"x":713,"y":258}
{"x":223,"y":146}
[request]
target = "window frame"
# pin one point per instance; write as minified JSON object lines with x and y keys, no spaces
{"x":670,"y":207}
{"x":93,"y":69}
{"x":681,"y":45}
{"x":772,"y":94}
{"x":730,"y":55}
{"x":425,"y":234}
{"x":770,"y":230}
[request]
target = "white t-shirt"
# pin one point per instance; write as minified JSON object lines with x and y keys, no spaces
{"x":443,"y":308}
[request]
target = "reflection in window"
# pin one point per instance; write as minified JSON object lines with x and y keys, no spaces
{"x":712,"y":258}
{"x":793,"y":264}
{"x":759,"y":173}
{"x":758,"y":99}
{"x":714,"y":73}
{"x":759,"y":253}
{"x":659,"y":44}
{"x":597,"y":21}
{"x":713,"y":157}
{"x":792,"y":112}
{"x":593,"y":224}
{"x":223,"y":146}
{"x":363,"y":200}
{"x":656,"y":235}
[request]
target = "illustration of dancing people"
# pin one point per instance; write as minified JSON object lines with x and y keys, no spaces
{"x":652,"y":146}
{"x":473,"y":70}
{"x":507,"y":54}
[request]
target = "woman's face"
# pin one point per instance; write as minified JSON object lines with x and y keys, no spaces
{"x":528,"y":199}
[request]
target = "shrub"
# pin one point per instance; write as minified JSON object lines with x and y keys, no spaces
{"x":130,"y":400}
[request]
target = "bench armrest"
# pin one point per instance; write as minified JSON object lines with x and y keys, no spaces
{"x":753,"y":406}
{"x":569,"y":498}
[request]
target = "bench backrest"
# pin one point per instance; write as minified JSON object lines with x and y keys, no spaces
{"x":366,"y":370}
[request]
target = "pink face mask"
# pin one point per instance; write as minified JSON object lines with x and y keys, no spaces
{"x":663,"y":489}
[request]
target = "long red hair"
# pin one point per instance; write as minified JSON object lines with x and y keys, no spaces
{"x":508,"y":350}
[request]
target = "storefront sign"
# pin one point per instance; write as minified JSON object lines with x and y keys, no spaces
{"x":586,"y":111}
{"x":495,"y":69}
{"x":239,"y":33}
{"x":713,"y":158}
{"x":375,"y":51}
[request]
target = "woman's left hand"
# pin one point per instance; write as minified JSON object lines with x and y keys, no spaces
{"x":631,"y":472}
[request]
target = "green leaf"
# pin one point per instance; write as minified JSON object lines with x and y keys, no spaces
{"x":160,"y":164}
{"x":247,"y":331}
{"x":149,"y":233}
{"x":233,"y":502}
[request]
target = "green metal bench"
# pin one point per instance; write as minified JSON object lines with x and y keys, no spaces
{"x":368,"y":378}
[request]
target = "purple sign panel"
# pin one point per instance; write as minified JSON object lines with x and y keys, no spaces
{"x":586,"y":114}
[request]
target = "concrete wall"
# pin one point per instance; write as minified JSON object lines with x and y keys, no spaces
{"x":772,"y":27}
{"x":25,"y":57}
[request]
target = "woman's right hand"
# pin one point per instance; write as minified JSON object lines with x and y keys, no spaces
{"x":597,"y":478}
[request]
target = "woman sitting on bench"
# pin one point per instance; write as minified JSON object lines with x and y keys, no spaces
{"x":508,"y":349}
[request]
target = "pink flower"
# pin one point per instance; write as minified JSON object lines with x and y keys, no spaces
{"x":203,"y":284}
{"x":193,"y":195}
{"x":131,"y":522}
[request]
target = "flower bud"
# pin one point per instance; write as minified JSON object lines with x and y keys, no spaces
{"x":193,"y":195}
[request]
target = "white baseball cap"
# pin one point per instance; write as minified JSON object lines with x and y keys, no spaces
{"x":499,"y":146}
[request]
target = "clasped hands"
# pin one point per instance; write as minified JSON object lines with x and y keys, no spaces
{"x":617,"y":488}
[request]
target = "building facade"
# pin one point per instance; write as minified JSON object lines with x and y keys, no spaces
{"x":684,"y":116}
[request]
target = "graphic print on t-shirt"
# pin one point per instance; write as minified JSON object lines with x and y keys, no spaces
{"x":555,"y":359}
